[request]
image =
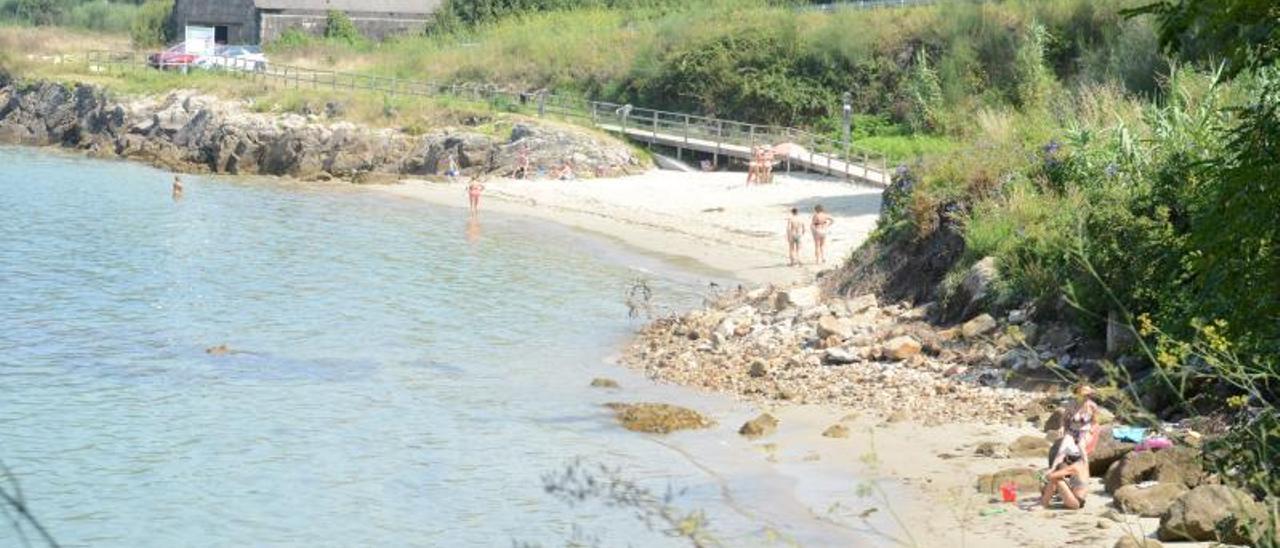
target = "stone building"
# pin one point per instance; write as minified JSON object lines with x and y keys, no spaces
{"x":260,"y":21}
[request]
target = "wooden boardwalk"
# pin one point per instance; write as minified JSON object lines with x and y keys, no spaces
{"x":795,"y":158}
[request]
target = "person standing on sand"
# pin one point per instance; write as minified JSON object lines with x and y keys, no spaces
{"x":795,"y":232}
{"x":474,"y":190}
{"x":451,"y":166}
{"x":1078,"y":422}
{"x":177,"y":188}
{"x":821,"y":226}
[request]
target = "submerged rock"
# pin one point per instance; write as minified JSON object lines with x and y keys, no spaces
{"x":604,"y":383}
{"x":836,"y":431}
{"x":657,"y":418}
{"x":760,"y":426}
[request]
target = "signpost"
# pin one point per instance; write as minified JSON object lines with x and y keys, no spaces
{"x":199,"y":40}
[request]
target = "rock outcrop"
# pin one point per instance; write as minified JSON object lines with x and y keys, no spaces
{"x":1175,"y":465}
{"x":186,"y":131}
{"x":1212,"y":512}
{"x":1148,"y":501}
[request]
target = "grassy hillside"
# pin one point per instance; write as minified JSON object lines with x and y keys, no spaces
{"x":926,"y":71}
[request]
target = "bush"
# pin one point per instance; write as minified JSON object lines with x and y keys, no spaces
{"x":151,"y":25}
{"x":340,"y":28}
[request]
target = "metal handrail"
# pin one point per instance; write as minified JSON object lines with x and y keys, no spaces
{"x":634,"y":121}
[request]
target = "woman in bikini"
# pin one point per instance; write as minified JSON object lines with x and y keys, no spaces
{"x":474,"y":190}
{"x":821,"y":226}
{"x":1078,"y":422}
{"x":1069,"y":480}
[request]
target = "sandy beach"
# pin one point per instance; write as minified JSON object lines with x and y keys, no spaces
{"x":712,"y":219}
{"x":905,"y":482}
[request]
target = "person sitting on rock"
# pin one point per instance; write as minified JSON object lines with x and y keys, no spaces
{"x":564,"y":172}
{"x":1069,"y":480}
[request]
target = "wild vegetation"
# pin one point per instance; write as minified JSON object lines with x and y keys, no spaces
{"x":1157,"y":209}
{"x":917,"y":76}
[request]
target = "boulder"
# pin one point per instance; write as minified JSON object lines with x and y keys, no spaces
{"x":836,"y":431}
{"x":1174,"y":465}
{"x":901,"y":348}
{"x":1020,"y":360}
{"x":978,"y":326}
{"x":1107,"y":452}
{"x":1025,"y":478}
{"x":861,"y":303}
{"x":604,"y":383}
{"x":763,"y":425}
{"x":980,"y":279}
{"x":1029,"y":446}
{"x":1150,"y":501}
{"x":1128,"y":541}
{"x":657,"y":418}
{"x":1120,"y":336}
{"x":801,"y":297}
{"x":758,"y":369}
{"x":993,"y":449}
{"x":1211,"y":512}
{"x":831,"y":326}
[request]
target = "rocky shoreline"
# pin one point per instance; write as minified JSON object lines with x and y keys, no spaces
{"x":791,"y":345}
{"x":190,"y":132}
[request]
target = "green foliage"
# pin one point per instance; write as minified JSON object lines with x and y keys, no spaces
{"x":291,"y":38}
{"x":39,"y":12}
{"x":339,"y":27}
{"x":150,"y":26}
{"x":924,"y":91}
{"x":97,"y":15}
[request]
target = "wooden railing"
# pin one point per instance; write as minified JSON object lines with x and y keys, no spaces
{"x":824,"y":154}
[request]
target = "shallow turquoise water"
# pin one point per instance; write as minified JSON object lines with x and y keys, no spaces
{"x":405,"y":379}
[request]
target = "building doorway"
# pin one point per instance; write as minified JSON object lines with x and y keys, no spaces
{"x":220,"y":35}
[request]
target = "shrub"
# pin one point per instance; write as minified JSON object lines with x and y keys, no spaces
{"x":340,"y":28}
{"x":150,"y":26}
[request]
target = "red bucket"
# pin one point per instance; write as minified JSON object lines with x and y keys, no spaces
{"x":1009,"y":491}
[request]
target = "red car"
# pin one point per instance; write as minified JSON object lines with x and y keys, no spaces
{"x":175,"y":57}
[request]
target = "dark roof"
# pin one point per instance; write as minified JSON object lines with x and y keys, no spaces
{"x":367,"y":6}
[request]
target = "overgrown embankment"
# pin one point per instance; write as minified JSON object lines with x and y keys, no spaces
{"x":1147,"y":222}
{"x":187,"y":131}
{"x":919,"y":77}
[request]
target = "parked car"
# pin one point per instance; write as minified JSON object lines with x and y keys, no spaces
{"x":176,"y":57}
{"x":248,"y":58}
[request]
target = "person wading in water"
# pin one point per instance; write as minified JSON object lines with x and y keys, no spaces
{"x":177,"y":188}
{"x":474,"y":190}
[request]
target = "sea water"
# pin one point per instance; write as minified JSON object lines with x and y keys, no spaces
{"x":399,"y":374}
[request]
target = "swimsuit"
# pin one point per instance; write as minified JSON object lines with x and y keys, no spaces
{"x":820,"y":229}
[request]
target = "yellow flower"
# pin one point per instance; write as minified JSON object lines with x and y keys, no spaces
{"x":1237,"y":402}
{"x":1145,"y":327}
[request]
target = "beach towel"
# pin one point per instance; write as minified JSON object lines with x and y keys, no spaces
{"x":1131,"y":434}
{"x":1154,"y":444}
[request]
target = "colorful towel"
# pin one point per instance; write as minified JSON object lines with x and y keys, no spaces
{"x":1131,"y":434}
{"x":1154,"y":444}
